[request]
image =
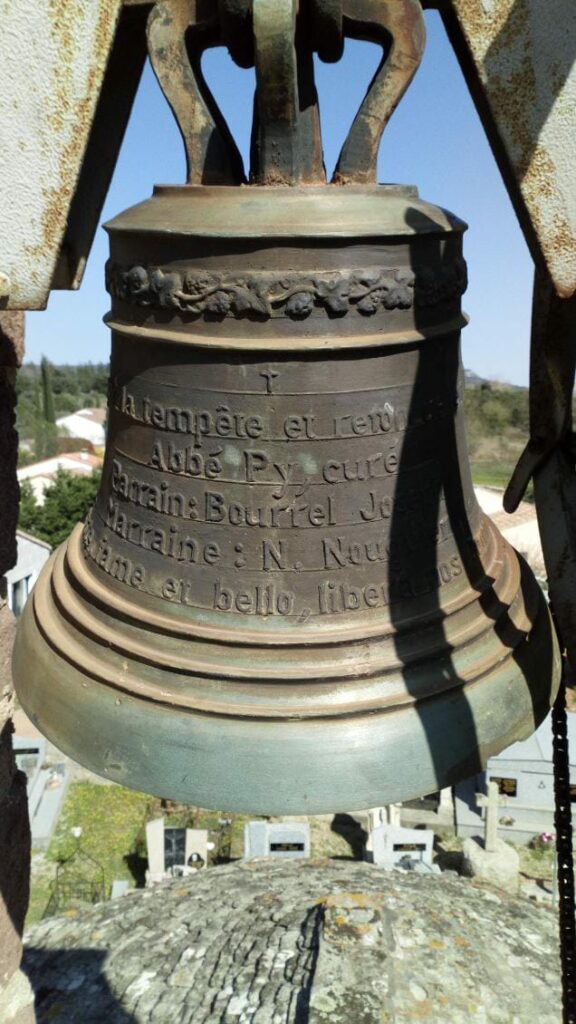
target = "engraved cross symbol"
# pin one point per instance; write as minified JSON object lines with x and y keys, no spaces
{"x":270,"y":376}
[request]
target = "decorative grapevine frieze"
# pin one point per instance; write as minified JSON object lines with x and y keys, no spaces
{"x":296,"y":294}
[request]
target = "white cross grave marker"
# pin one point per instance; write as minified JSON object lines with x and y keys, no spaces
{"x":491,"y":802}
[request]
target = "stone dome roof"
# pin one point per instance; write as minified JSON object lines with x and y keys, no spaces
{"x":300,"y":942}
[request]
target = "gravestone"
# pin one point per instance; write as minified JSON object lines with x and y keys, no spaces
{"x":265,"y":839}
{"x":197,"y":848}
{"x":174,"y":851}
{"x":392,"y":845}
{"x":389,"y":815}
{"x":155,"y":851}
{"x":119,"y":888}
{"x":490,"y":858}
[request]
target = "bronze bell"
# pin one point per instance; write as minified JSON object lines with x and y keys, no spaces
{"x":286,"y":598}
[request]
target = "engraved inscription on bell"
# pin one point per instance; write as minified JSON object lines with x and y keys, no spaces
{"x":269,"y":489}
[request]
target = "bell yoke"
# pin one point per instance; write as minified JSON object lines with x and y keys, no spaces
{"x":286,"y":597}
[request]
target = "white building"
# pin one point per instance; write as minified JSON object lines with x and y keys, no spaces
{"x":32,"y":554}
{"x":42,"y":474}
{"x":89,"y":424}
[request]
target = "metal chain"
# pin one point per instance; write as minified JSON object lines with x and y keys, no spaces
{"x":564,"y":854}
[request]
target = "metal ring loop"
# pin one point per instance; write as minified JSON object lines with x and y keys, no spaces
{"x":399,"y":26}
{"x":178,"y":33}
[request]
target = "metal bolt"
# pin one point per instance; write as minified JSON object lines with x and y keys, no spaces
{"x":5,"y":285}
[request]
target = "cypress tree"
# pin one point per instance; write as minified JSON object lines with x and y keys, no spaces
{"x":47,"y":392}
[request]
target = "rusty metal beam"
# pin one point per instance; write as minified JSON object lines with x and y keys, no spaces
{"x":69,"y":75}
{"x":119,"y":87}
{"x":62,"y":122}
{"x":518,"y":58}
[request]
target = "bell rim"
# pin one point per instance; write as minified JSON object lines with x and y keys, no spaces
{"x":292,"y":766}
{"x":222,"y":689}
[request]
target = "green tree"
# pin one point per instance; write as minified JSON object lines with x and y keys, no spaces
{"x":30,"y":510}
{"x":47,"y":393}
{"x":45,"y":435}
{"x":495,"y":415}
{"x":67,"y":501}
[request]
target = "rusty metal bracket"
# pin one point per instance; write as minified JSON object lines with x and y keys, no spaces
{"x":287,"y":145}
{"x":399,"y":26}
{"x":518,"y":60}
{"x":179,"y":31}
{"x":286,"y":141}
{"x":280,"y":38}
{"x":549,"y":456}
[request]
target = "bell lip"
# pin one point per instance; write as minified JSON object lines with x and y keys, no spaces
{"x":280,"y":212}
{"x":56,"y":603}
{"x":290,"y":766}
{"x":203,"y":679}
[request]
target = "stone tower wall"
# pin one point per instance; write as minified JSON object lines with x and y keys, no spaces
{"x":16,"y":999}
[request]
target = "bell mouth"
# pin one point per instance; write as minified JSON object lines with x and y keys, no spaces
{"x":139,"y":681}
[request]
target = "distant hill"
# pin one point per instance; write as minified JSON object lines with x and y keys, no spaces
{"x":473,"y":380}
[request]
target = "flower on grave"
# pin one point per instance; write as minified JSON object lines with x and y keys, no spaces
{"x":543,"y":841}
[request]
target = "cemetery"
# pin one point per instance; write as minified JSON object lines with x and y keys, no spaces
{"x":525,"y":780}
{"x":496,"y":826}
{"x":137,"y":841}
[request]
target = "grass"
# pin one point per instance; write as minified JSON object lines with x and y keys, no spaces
{"x":111,"y":819}
{"x":536,"y":863}
{"x":491,"y":474}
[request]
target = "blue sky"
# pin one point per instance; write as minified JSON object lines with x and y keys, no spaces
{"x":434,"y":141}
